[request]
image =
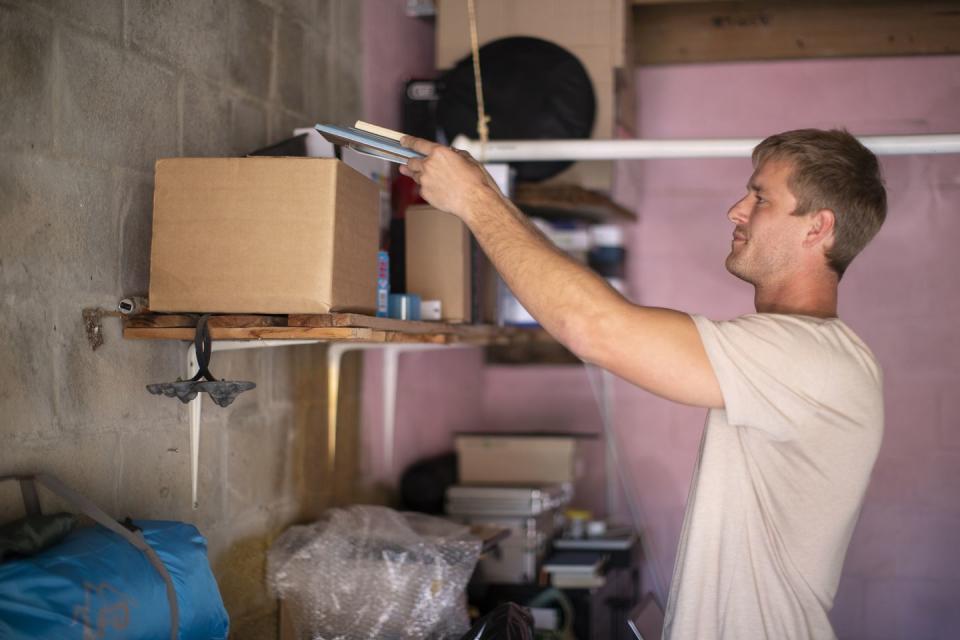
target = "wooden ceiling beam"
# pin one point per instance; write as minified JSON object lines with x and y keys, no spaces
{"x":675,"y":32}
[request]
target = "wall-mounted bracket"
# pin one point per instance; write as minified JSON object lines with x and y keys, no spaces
{"x":335,"y":354}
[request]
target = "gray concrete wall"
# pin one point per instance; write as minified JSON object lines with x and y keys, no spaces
{"x":92,"y":92}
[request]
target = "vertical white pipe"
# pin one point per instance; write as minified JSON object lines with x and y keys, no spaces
{"x":391,"y":357}
{"x":194,"y":408}
{"x":334,"y":358}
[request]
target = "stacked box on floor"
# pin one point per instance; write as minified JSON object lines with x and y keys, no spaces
{"x":533,"y":516}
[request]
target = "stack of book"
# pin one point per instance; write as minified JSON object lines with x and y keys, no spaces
{"x":576,"y":569}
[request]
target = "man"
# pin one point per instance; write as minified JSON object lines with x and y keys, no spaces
{"x":796,"y":411}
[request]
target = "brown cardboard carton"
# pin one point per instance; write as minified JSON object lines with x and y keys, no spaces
{"x":570,"y":23}
{"x":438,"y":260}
{"x":517,"y":460}
{"x":593,"y":31}
{"x":263,"y":235}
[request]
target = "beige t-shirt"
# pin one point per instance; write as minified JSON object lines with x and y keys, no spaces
{"x":780,"y":479}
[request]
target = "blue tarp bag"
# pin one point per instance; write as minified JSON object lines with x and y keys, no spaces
{"x":107,"y":582}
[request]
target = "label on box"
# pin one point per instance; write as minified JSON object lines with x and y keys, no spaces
{"x":383,"y":283}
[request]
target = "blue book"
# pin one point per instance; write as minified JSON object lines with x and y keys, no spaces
{"x":368,"y":143}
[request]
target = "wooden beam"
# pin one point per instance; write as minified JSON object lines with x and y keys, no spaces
{"x":333,"y":327}
{"x":258,"y":333}
{"x":172,"y":320}
{"x":370,"y":322}
{"x":728,"y":31}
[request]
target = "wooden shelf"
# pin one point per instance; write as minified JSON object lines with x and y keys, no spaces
{"x":504,"y":345}
{"x":331,"y":327}
{"x":569,"y":202}
{"x":530,"y":347}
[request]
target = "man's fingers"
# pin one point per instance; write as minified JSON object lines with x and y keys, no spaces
{"x":415,"y":165}
{"x":412,"y":169}
{"x":418,"y":144}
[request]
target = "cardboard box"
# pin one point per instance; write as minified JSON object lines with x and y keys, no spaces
{"x":438,"y":260}
{"x":515,"y":459}
{"x":263,"y":235}
{"x":573,"y":24}
{"x":593,"y":31}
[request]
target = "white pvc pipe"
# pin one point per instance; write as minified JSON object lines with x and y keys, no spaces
{"x":631,"y":149}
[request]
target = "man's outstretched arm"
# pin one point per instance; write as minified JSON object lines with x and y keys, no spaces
{"x":657,"y":349}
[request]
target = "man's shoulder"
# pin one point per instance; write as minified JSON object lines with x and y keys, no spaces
{"x":804,"y":338}
{"x":786,"y":332}
{"x":769,"y":325}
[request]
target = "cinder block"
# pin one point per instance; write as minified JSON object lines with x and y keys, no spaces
{"x":248,"y":126}
{"x":58,"y":229}
{"x":84,"y":461}
{"x":281,"y":391}
{"x":347,"y":61}
{"x":190,"y":35}
{"x":326,"y":11}
{"x":26,"y":376}
{"x":251,"y":45}
{"x":206,"y":119}
{"x":154,"y":474}
{"x":290,"y":64}
{"x":106,"y":389}
{"x":283,"y":122}
{"x":135,"y":214}
{"x":116,"y":107}
{"x":26,"y":66}
{"x":318,"y":97}
{"x":100,"y":16}
{"x":259,"y":454}
{"x":239,"y":569}
{"x":59,"y":254}
{"x":305,"y":10}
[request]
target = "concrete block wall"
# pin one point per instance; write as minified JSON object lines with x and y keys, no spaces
{"x":92,"y":92}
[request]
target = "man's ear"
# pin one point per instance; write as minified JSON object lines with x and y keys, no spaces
{"x":821,"y":229}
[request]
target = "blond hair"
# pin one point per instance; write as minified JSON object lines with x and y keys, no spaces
{"x":832,"y":170}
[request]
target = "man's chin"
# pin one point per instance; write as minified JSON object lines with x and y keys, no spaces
{"x":737,"y":269}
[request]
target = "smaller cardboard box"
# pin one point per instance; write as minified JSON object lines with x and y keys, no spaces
{"x":438,"y":260}
{"x":517,"y":460}
{"x":263,"y":235}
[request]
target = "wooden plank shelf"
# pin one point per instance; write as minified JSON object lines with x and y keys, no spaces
{"x":569,"y":202}
{"x":331,"y":327}
{"x":504,"y":345}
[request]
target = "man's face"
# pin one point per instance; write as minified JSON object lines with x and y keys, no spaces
{"x":767,"y":238}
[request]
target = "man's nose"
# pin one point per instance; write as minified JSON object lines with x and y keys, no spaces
{"x":739,"y":213}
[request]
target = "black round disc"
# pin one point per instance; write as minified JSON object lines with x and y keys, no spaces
{"x":532,"y":90}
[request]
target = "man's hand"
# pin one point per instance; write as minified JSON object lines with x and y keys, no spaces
{"x":449,"y":180}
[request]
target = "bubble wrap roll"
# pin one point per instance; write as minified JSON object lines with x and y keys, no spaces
{"x":372,"y":572}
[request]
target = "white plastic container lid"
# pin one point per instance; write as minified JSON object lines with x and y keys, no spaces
{"x":606,"y":235}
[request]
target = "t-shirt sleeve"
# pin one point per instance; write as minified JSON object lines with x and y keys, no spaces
{"x":771,"y":371}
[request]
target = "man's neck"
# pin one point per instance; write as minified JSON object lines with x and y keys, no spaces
{"x":807,"y":296}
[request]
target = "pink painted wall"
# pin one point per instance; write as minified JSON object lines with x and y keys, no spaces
{"x":902,"y":575}
{"x":395,"y":49}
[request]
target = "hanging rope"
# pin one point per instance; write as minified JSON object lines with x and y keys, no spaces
{"x":482,"y":117}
